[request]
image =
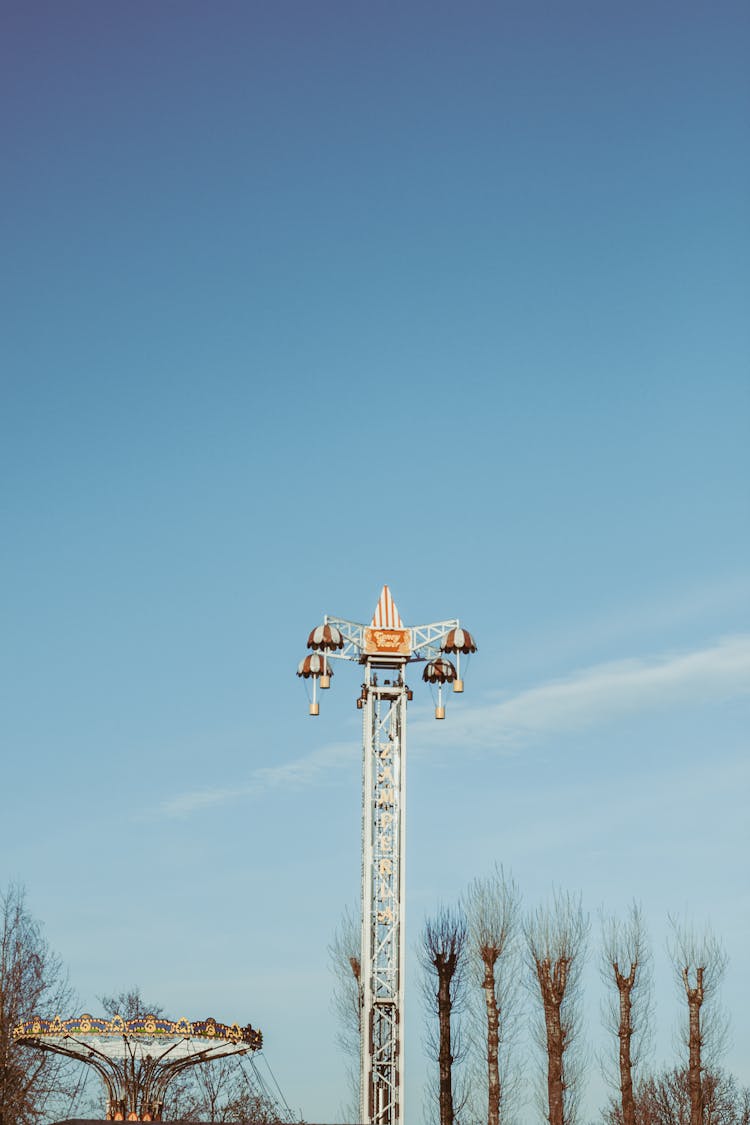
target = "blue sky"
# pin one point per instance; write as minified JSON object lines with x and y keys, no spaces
{"x":299,"y":299}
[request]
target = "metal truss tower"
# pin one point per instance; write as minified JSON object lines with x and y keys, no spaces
{"x":384,"y":648}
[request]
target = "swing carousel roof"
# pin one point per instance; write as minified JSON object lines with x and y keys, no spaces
{"x":148,"y":1036}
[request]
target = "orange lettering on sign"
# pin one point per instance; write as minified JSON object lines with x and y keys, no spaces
{"x":388,"y":640}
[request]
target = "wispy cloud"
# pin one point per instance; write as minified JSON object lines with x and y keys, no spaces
{"x":298,"y":772}
{"x":591,"y":696}
{"x":608,"y":691}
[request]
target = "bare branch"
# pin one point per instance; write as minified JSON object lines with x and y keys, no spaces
{"x":344,"y":960}
{"x":556,"y":937}
{"x":625,"y":968}
{"x":346,"y":1001}
{"x":32,"y":982}
{"x":130,"y":1005}
{"x":492,"y":907}
{"x":699,"y":961}
{"x":664,"y":1099}
{"x":443,"y":955}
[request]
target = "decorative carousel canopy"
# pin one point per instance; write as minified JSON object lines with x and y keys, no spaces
{"x":439,"y":672}
{"x":137,"y":1059}
{"x":458,"y":640}
{"x":326,"y":638}
{"x":314,"y":666}
{"x":149,"y":1027}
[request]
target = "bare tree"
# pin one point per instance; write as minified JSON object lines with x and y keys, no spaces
{"x":226,"y":1091}
{"x":443,"y":953}
{"x":699,"y":961}
{"x":130,"y":1005}
{"x":664,"y":1099}
{"x":32,"y":982}
{"x":344,"y":959}
{"x":626,"y":969}
{"x":556,"y":938}
{"x":492,"y":908}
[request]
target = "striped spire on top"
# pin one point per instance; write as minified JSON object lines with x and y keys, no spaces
{"x":386,"y":615}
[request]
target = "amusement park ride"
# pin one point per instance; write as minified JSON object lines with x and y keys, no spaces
{"x":384,"y":648}
{"x":137,"y":1059}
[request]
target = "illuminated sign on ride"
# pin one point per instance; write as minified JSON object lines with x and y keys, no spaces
{"x":397,"y":641}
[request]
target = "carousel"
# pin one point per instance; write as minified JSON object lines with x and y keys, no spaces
{"x":137,"y":1059}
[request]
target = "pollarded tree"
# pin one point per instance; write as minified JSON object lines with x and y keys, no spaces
{"x":32,"y":982}
{"x":699,"y":961}
{"x":443,"y":954}
{"x":492,"y":908}
{"x":556,"y":937}
{"x":626,"y":969}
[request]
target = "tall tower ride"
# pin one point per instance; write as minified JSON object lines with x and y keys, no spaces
{"x":384,"y":648}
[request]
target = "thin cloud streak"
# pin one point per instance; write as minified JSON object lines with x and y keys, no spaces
{"x":297,"y":773}
{"x":608,"y":691}
{"x":592,"y":696}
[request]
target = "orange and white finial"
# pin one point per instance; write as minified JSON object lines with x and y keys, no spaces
{"x":386,"y":616}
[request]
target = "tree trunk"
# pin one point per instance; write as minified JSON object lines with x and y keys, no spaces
{"x":695,"y":999}
{"x":552,"y":983}
{"x":443,"y":944}
{"x":625,"y":1034}
{"x":493,"y":1024}
{"x":445,"y":1058}
{"x":554,"y":1064}
{"x":554,"y":1087}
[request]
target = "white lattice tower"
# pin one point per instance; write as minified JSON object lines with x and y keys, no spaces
{"x":383,"y":855}
{"x":384,"y":648}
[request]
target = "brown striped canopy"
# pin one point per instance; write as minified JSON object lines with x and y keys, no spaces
{"x":439,"y":672}
{"x":314,"y":665}
{"x":458,"y":640}
{"x":326,"y":638}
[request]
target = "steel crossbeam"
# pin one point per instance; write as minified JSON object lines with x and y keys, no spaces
{"x":425,"y":639}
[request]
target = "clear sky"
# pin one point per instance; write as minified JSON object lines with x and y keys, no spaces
{"x":302,"y":298}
